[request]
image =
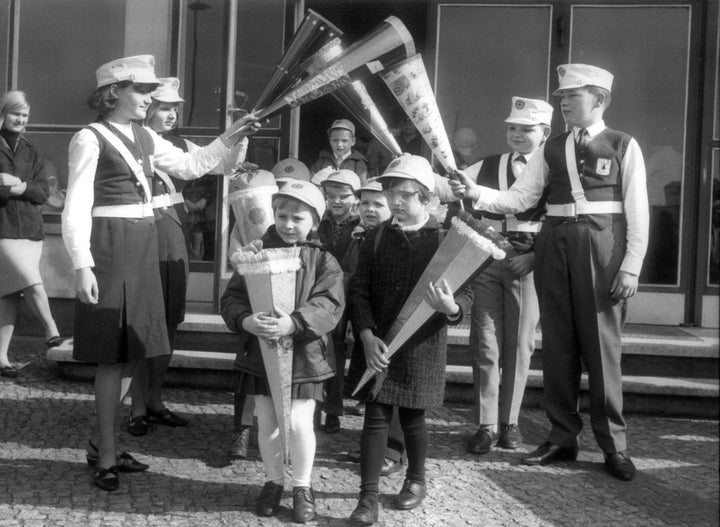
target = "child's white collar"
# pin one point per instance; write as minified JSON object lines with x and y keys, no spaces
{"x":411,"y":228}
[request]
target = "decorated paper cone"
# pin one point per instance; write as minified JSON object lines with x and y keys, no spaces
{"x":462,"y":253}
{"x":386,"y":44}
{"x":270,"y":279}
{"x":312,"y":34}
{"x":409,"y":83}
{"x":357,"y":100}
{"x":250,"y":196}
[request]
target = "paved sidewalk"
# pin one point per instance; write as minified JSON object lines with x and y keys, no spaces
{"x":44,"y":481}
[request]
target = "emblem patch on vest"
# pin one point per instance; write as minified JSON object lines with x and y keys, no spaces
{"x":603,"y":167}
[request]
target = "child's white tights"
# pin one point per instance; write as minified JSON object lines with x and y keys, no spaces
{"x":302,"y":440}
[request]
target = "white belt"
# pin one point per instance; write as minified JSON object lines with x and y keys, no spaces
{"x":516,"y":225}
{"x":167,"y":200}
{"x":130,"y":210}
{"x":585,"y":207}
{"x":513,"y":225}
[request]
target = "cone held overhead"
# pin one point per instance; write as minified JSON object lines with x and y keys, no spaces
{"x":387,"y":43}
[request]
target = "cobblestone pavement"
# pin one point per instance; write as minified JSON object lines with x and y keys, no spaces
{"x":44,"y":422}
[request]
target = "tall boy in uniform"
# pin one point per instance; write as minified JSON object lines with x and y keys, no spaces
{"x":588,"y":257}
{"x":505,"y":311}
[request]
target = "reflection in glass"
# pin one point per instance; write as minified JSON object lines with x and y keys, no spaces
{"x":714,"y":257}
{"x":655,"y":117}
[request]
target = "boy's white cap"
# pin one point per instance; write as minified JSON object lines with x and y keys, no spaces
{"x":139,"y":69}
{"x":578,"y":75}
{"x":343,"y":177}
{"x":371,"y":185}
{"x":413,"y":167}
{"x":530,"y":111}
{"x":289,"y":170}
{"x":168,"y":91}
{"x":306,"y":192}
{"x":343,"y":124}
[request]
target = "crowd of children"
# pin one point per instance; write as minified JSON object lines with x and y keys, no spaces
{"x":573,"y":206}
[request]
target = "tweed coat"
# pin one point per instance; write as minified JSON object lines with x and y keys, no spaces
{"x":383,"y":280}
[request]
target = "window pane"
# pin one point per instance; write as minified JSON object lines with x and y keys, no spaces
{"x":53,"y":146}
{"x":655,"y":117}
{"x":475,"y":39}
{"x":57,"y":83}
{"x":259,"y":48}
{"x":204,"y":50}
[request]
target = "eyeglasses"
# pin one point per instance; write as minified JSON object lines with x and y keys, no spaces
{"x":402,"y":194}
{"x":341,"y":197}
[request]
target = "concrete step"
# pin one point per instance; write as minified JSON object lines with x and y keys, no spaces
{"x":206,"y":350}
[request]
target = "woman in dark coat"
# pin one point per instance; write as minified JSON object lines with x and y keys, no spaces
{"x":23,"y":188}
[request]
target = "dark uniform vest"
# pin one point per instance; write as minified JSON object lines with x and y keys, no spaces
{"x":177,"y":211}
{"x":115,"y":183}
{"x":599,"y":171}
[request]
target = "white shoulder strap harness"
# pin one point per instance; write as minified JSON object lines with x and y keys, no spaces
{"x":503,"y":180}
{"x":580,"y":205}
{"x":136,"y":167}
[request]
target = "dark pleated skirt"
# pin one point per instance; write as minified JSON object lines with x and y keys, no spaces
{"x":252,"y":385}
{"x":128,"y":322}
{"x":173,"y":255}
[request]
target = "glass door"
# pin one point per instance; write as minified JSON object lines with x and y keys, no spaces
{"x":226,"y":51}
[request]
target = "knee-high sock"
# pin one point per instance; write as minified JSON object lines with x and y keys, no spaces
{"x":302,"y":441}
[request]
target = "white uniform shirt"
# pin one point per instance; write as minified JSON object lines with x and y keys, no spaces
{"x":83,"y":154}
{"x":529,"y":186}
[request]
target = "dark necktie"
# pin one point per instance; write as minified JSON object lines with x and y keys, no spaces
{"x":582,"y":141}
{"x":521,"y":159}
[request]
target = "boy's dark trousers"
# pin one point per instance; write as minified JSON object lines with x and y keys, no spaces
{"x":334,"y":386}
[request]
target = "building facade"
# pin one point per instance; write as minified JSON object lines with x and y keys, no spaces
{"x":664,"y":55}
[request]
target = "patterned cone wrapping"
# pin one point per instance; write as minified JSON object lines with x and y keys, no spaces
{"x":270,"y":278}
{"x":253,"y":214}
{"x":462,"y":253}
{"x":409,"y":83}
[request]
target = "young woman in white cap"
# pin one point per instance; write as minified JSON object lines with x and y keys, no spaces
{"x":23,"y":188}
{"x":170,"y":218}
{"x":109,"y":230}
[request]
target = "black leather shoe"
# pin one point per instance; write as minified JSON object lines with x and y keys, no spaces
{"x":107,"y":478}
{"x":548,"y":453}
{"x":390,"y":467}
{"x":124,"y":462}
{"x":138,"y":425}
{"x":166,"y":417}
{"x":303,"y":504}
{"x":239,"y":444}
{"x":411,"y":495}
{"x":620,"y":465}
{"x":332,"y":424}
{"x":367,"y":510}
{"x":9,"y":371}
{"x":482,"y":441}
{"x":269,"y":501}
{"x":510,"y":437}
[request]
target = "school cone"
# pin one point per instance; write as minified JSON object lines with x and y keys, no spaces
{"x":358,"y":102}
{"x":250,"y":197}
{"x":409,"y":83}
{"x":463,"y":253}
{"x":385,"y":45}
{"x":270,"y":278}
{"x":312,"y":34}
